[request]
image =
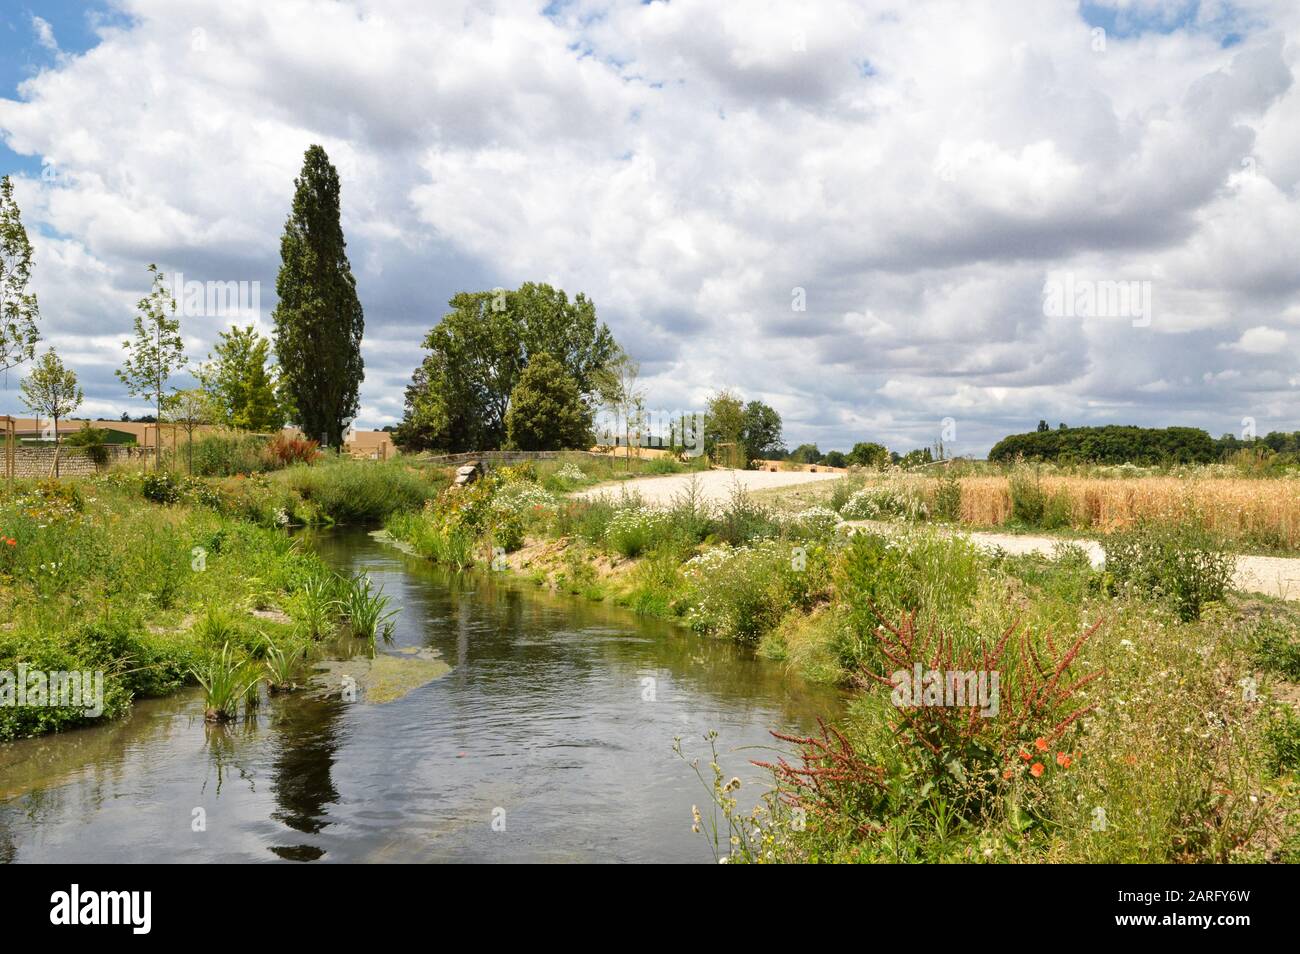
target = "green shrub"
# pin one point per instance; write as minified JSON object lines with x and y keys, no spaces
{"x":656,"y":585}
{"x":314,"y":605}
{"x":889,"y":576}
{"x":1282,"y":737}
{"x":742,"y":521}
{"x":1058,"y":512}
{"x":226,"y":679}
{"x":1028,"y":499}
{"x":743,"y":592}
{"x":634,"y":530}
{"x":161,"y":487}
{"x":94,"y":439}
{"x":585,"y":520}
{"x":1178,"y":562}
{"x":359,"y":491}
{"x":884,"y":503}
{"x":508,"y":532}
{"x":1278,"y":649}
{"x":814,"y":523}
{"x":223,"y":455}
{"x":947,"y":497}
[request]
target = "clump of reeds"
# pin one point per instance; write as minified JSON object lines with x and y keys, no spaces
{"x":366,"y":609}
{"x":226,"y":680}
{"x":281,"y":665}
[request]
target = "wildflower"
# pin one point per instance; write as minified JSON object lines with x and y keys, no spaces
{"x":1006,"y":774}
{"x":1036,"y":769}
{"x":1040,"y":743}
{"x":11,"y":542}
{"x":1063,"y":760}
{"x":1025,"y":756}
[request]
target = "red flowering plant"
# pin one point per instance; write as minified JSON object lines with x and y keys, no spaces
{"x":8,"y":548}
{"x":961,"y":720}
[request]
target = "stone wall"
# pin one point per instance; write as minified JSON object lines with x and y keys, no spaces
{"x":73,"y":461}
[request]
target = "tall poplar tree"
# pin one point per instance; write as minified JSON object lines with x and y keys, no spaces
{"x":318,"y":320}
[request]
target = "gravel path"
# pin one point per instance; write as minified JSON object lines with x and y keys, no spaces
{"x":1272,"y":576}
{"x":714,"y":485}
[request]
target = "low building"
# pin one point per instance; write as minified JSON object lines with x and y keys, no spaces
{"x":369,"y":445}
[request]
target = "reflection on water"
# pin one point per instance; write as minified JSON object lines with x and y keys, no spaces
{"x":556,"y":720}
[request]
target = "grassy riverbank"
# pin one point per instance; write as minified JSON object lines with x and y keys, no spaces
{"x":157,"y":580}
{"x":1143,"y":710}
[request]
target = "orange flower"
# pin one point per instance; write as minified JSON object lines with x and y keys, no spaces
{"x":1007,"y":774}
{"x":1040,"y":743}
{"x":1063,"y":760}
{"x":12,"y":542}
{"x":1131,"y":760}
{"x":1025,"y":756}
{"x":1036,"y":769}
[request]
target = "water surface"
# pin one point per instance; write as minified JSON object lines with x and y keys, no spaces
{"x":555,"y":723}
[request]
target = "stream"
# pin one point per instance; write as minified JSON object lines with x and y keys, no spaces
{"x":550,"y":738}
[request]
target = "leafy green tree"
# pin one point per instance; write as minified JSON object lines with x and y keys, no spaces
{"x":94,"y":440}
{"x":19,"y":311}
{"x":835,"y":459}
{"x":1112,"y":444}
{"x":546,"y":411}
{"x":761,"y":431}
{"x":459,"y":396}
{"x":318,"y":319}
{"x":242,"y":385}
{"x":157,"y":351}
{"x":724,"y":429}
{"x":51,"y":391}
{"x":806,"y":454}
{"x":869,"y":454}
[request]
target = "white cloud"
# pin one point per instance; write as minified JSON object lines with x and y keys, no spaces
{"x":918,"y":169}
{"x":1260,"y":340}
{"x":44,"y":34}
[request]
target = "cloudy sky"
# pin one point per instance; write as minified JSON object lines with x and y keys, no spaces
{"x":851,"y":210}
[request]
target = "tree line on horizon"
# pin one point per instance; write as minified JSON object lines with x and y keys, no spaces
{"x":1129,"y":444}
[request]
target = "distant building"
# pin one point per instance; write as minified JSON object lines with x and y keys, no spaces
{"x":369,"y":445}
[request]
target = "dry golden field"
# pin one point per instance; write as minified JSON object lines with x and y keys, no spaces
{"x":1255,"y":512}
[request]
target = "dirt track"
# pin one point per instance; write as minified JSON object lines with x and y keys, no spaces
{"x":714,"y":486}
